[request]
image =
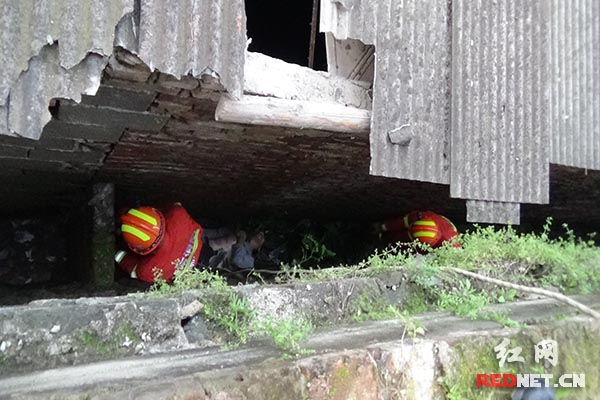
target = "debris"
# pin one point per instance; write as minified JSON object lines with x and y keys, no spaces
{"x":191,"y":309}
{"x":140,"y":348}
{"x":55,"y":329}
{"x":128,"y":342}
{"x":4,"y":346}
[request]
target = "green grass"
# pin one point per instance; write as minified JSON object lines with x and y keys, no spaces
{"x":544,"y":259}
{"x":289,"y":335}
{"x":222,"y":306}
{"x":231,"y":313}
{"x":370,"y":308}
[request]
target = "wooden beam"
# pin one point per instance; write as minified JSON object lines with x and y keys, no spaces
{"x":255,"y":110}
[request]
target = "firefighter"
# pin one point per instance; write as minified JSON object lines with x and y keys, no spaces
{"x":424,"y":226}
{"x":160,"y":242}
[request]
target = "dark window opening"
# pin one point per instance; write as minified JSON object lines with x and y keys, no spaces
{"x":281,"y":29}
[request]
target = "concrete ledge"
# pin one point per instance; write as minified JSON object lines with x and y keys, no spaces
{"x":49,"y":333}
{"x":53,"y":333}
{"x":367,"y":361}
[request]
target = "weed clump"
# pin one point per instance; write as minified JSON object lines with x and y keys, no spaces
{"x":288,"y":335}
{"x":563,"y":262}
{"x":222,"y":306}
{"x":230,"y":312}
{"x":567,"y":263}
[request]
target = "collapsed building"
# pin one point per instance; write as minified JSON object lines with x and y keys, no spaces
{"x":468,"y":107}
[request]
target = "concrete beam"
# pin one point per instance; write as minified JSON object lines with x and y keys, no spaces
{"x":103,"y":234}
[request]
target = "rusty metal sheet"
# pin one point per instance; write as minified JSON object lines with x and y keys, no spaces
{"x":500,"y":101}
{"x":575,"y":27}
{"x":411,"y":105}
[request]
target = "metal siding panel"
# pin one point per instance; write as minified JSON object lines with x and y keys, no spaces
{"x":493,"y":212}
{"x":80,"y":27}
{"x":500,"y":101}
{"x":351,"y":19}
{"x":575,"y":27}
{"x":44,"y":80}
{"x":35,"y":69}
{"x":196,"y":37}
{"x":412,"y":91}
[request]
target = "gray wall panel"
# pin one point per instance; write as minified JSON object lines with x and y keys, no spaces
{"x":35,"y":69}
{"x":575,"y":28}
{"x":356,"y":19}
{"x":500,"y":101}
{"x":493,"y":212}
{"x":412,"y":91}
{"x":196,"y":37}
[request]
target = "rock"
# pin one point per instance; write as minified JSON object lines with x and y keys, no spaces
{"x":190,"y":310}
{"x":139,"y":349}
{"x":128,"y":342}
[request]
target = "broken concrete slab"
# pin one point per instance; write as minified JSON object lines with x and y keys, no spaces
{"x":267,"y":76}
{"x":35,"y":165}
{"x":8,"y":151}
{"x":323,"y":302}
{"x":77,"y":157}
{"x":97,"y":328}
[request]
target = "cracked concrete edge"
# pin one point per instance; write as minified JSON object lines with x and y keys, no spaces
{"x":378,"y":363}
{"x":93,"y":329}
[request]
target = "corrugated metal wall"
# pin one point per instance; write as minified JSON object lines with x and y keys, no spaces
{"x":500,"y":101}
{"x":411,"y":104}
{"x":356,"y":19}
{"x":493,"y":212}
{"x":575,"y":27}
{"x":45,"y":79}
{"x":196,"y":37}
{"x":178,"y":37}
{"x":26,"y":26}
{"x":525,"y":92}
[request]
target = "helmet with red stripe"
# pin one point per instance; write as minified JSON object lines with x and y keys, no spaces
{"x":143,"y":229}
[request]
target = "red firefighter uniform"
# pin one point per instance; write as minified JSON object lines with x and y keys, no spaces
{"x":161,"y":243}
{"x":424,"y":226}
